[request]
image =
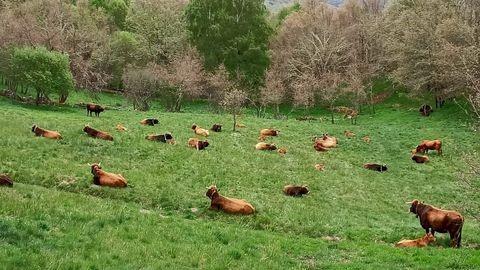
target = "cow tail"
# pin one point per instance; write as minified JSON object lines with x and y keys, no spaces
{"x":459,"y":235}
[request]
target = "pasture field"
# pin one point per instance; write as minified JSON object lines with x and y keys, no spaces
{"x":54,"y":218}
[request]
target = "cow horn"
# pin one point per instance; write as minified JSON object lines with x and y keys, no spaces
{"x":409,"y":202}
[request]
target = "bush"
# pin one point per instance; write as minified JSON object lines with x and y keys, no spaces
{"x":44,"y":71}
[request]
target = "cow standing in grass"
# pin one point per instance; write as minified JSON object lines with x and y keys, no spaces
{"x":434,"y":220}
{"x":97,"y":109}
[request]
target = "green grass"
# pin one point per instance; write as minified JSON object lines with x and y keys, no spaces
{"x":55,"y":218}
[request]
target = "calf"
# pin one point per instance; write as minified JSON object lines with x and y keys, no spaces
{"x":426,"y":145}
{"x":425,"y":110}
{"x":376,"y":167}
{"x":349,"y":134}
{"x":217,"y":128}
{"x":420,"y":159}
{"x":200,"y":131}
{"x":102,"y":178}
{"x":269,"y":132}
{"x":97,"y":134}
{"x":433,"y":220}
{"x":228,"y":205}
{"x":265,"y":146}
{"x":165,"y":138}
{"x":97,"y":109}
{"x":5,"y":180}
{"x":149,"y":122}
{"x":120,"y":127}
{"x":198,"y":144}
{"x":40,"y":132}
{"x":420,"y":242}
{"x":294,"y":190}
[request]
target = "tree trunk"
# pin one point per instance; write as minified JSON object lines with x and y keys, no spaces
{"x":234,"y":122}
{"x":37,"y":101}
{"x":62,"y":99}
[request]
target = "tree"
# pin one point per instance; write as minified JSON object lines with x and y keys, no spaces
{"x":162,"y":24}
{"x":234,"y":34}
{"x":142,"y":85}
{"x":45,"y":71}
{"x":116,"y":9}
{"x":413,"y":46}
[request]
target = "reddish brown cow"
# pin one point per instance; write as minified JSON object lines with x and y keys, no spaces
{"x":296,"y":191}
{"x":97,"y":109}
{"x":228,"y":205}
{"x":198,"y":144}
{"x":434,"y":220}
{"x":40,"y":132}
{"x":265,"y":146}
{"x":269,"y":132}
{"x":420,"y":242}
{"x":97,"y":134}
{"x":102,"y":178}
{"x":426,"y":145}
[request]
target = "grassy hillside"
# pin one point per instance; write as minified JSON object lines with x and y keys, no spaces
{"x":55,"y":218}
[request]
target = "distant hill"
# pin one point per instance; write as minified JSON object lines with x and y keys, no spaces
{"x":276,"y":4}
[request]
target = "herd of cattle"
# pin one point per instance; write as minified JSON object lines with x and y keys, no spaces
{"x":431,"y":219}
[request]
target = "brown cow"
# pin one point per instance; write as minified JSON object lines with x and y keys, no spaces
{"x":294,"y":190}
{"x":102,"y":178}
{"x":420,"y":159}
{"x":200,"y":131}
{"x":149,"y":122}
{"x":5,"y":180}
{"x":426,"y":145}
{"x":376,"y":167}
{"x":97,"y":109}
{"x":97,"y":134}
{"x":325,"y":141}
{"x":198,"y":144}
{"x":265,"y":146}
{"x":165,"y":138}
{"x":216,"y":128}
{"x":420,"y":242}
{"x":228,"y":205}
{"x":433,"y":220}
{"x":40,"y":132}
{"x":269,"y":132}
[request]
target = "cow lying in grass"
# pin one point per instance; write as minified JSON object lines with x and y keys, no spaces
{"x":197,"y":144}
{"x":165,"y":138}
{"x":322,"y":144}
{"x":120,"y":127}
{"x":40,"y":132}
{"x":5,"y":180}
{"x":97,"y":109}
{"x":228,"y":205}
{"x":102,"y":178}
{"x":420,"y":159}
{"x":269,"y":132}
{"x":426,"y":145}
{"x":433,"y":220}
{"x":376,"y":167}
{"x":97,"y":134}
{"x":149,"y":122}
{"x":217,"y":128}
{"x":420,"y":242}
{"x":265,"y":146}
{"x":200,"y":131}
{"x":294,"y":190}
{"x":425,"y":110}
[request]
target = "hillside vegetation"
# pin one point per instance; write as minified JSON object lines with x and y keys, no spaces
{"x":55,"y":218}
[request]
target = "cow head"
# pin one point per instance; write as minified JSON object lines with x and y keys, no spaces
{"x":155,"y":121}
{"x":429,"y":237}
{"x":272,"y":146}
{"x":413,"y":206}
{"x":212,"y":192}
{"x":168,"y":136}
{"x":33,"y":128}
{"x":194,"y":126}
{"x":304,"y":190}
{"x":95,"y":167}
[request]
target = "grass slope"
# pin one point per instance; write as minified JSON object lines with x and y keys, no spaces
{"x":56,"y":219}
